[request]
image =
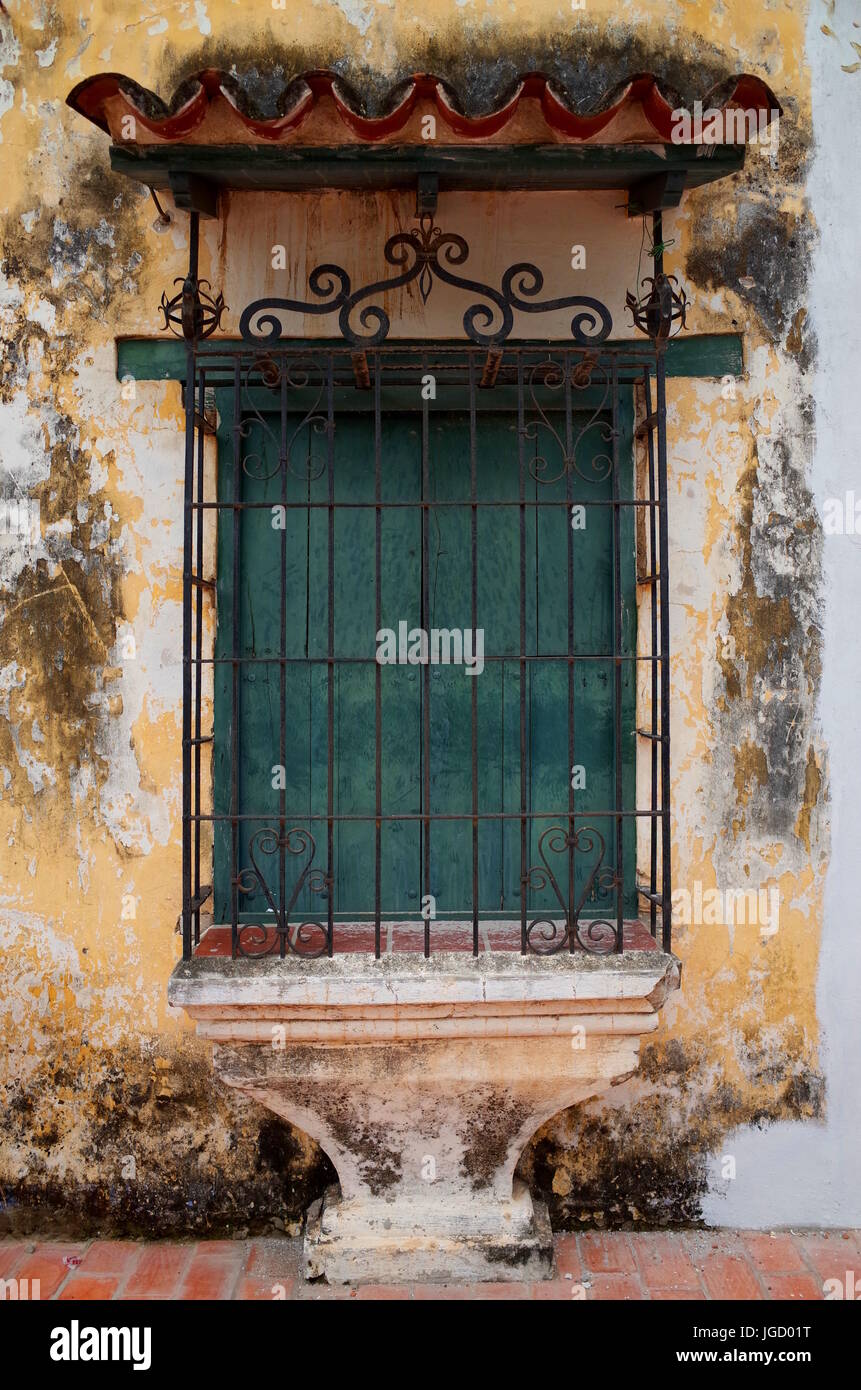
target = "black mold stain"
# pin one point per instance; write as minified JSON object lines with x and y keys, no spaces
{"x":757,"y":250}
{"x":481,"y":65}
{"x":278,"y":1149}
{"x":774,"y":619}
{"x":66,"y":609}
{"x":510,"y":1256}
{"x":81,"y":254}
{"x":743,"y":240}
{"x":59,"y":630}
{"x":487,"y":1135}
{"x":164,"y":1149}
{"x":343,"y":1115}
{"x":646,"y":1164}
{"x":379,"y":1163}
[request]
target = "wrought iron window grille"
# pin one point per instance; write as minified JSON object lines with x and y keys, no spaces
{"x":617,"y":850}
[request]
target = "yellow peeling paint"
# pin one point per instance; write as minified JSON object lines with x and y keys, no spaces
{"x":88,"y":933}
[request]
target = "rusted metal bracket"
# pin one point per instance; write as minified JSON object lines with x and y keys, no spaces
{"x":193,"y":193}
{"x":427,"y":193}
{"x":656,"y":192}
{"x":361,"y":371}
{"x":490,"y":372}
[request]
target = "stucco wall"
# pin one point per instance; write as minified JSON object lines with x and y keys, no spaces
{"x":110,"y":1109}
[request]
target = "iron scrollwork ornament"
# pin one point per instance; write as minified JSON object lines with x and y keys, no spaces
{"x":546,"y":935}
{"x":309,"y":937}
{"x":549,"y":376}
{"x":424,"y":255}
{"x":194,"y":312}
{"x":661,"y":311}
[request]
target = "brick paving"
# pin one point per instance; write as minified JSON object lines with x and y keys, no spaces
{"x":641,"y":1265}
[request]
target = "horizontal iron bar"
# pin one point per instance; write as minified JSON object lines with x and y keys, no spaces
{"x":640,"y":352}
{"x":656,"y":898}
{"x":646,"y":426}
{"x":371,"y":818}
{"x":372,"y":660}
{"x":412,"y":919}
{"x":205,"y":426}
{"x":430,"y":506}
{"x":400,"y":387}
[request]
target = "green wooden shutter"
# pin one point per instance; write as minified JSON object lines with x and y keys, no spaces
{"x":449,"y":594}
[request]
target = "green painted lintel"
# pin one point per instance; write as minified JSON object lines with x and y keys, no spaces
{"x":694,"y":355}
{"x":557,"y":166}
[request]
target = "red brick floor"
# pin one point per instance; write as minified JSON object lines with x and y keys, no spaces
{"x":641,"y":1265}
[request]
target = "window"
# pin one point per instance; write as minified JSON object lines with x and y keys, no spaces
{"x":425,"y":662}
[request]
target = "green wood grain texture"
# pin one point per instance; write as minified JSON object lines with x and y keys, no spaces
{"x":305,"y":692}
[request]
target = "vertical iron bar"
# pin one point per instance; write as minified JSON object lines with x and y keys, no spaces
{"x":664,"y":571}
{"x":569,"y":445}
{"x":658,"y":241}
{"x":187,"y":569}
{"x":473,"y":492}
{"x":193,"y":245}
{"x":282,"y":731}
{"x":617,"y":664}
{"x":653,"y":615}
{"x":666,"y":894}
{"x":198,"y":651}
{"x":426,"y":669}
{"x":330,"y":667}
{"x":378,"y":673}
{"x":524,"y":861}
{"x":235,"y":692}
{"x":186,"y":650}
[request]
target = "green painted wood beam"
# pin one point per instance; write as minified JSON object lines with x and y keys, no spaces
{"x":691,"y":355}
{"x":398,"y":166}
